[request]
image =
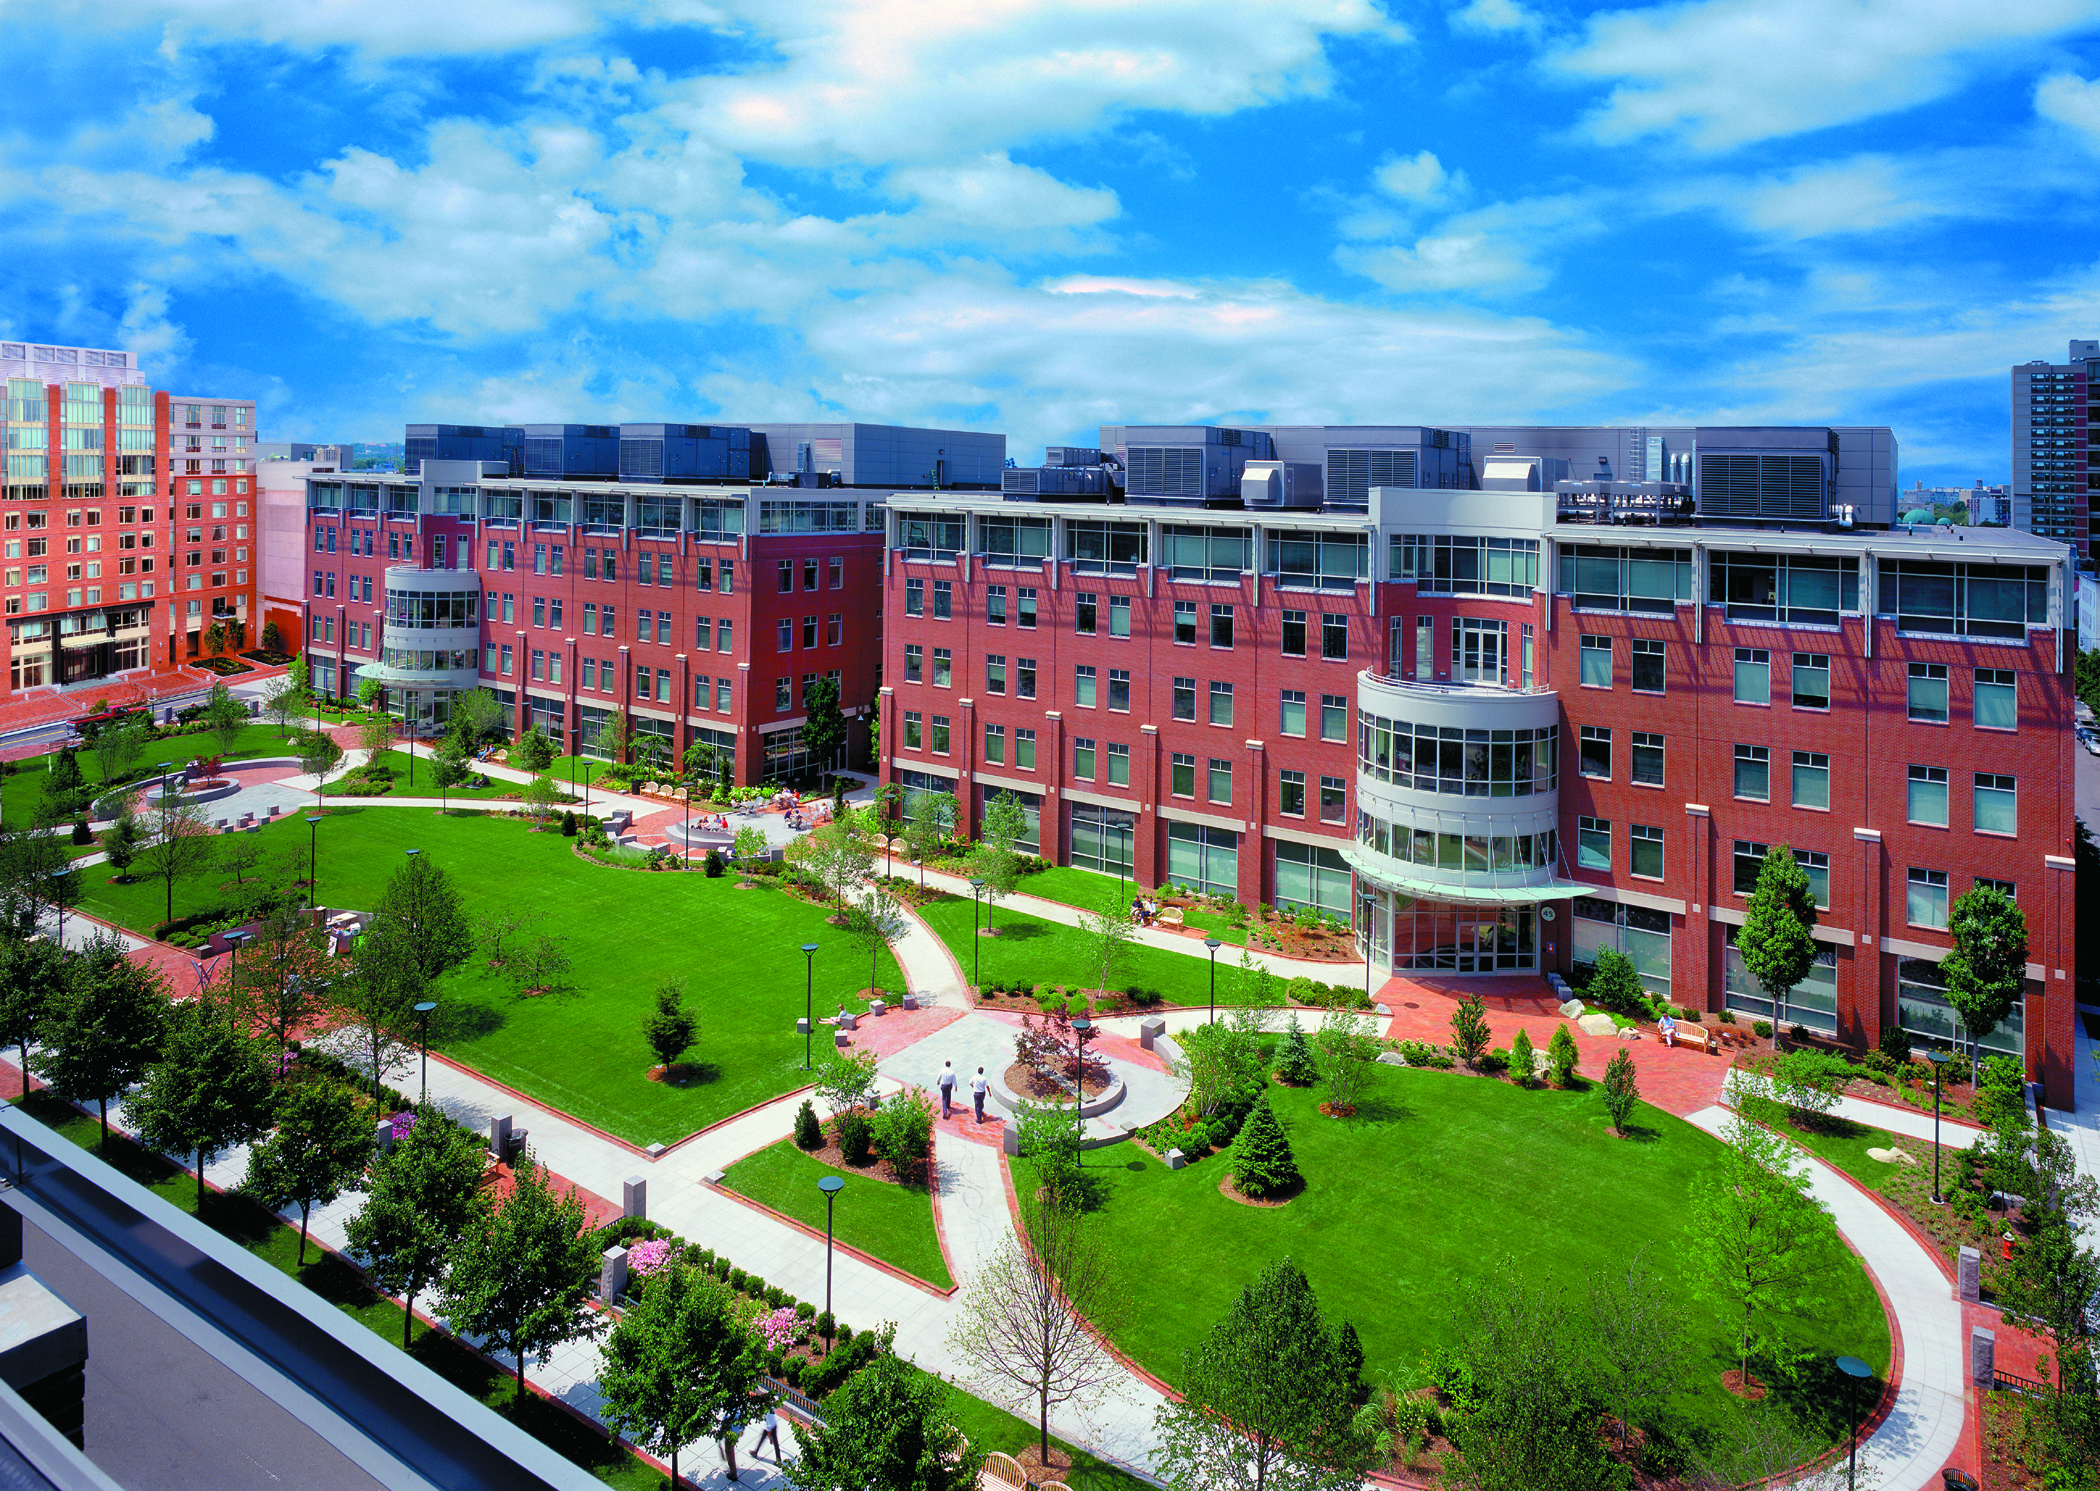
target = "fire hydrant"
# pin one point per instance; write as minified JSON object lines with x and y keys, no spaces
{"x":2009,"y":1239}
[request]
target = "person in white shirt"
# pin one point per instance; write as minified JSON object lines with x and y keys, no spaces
{"x":978,"y":1088}
{"x":947,"y":1086}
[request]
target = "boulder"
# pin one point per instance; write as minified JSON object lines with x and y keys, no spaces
{"x":1598,"y":1024}
{"x":1572,"y":1010}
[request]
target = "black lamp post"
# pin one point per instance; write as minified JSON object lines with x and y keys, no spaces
{"x":976,"y":937}
{"x":1080,"y":1026}
{"x":1364,"y":905}
{"x":1213,"y":944}
{"x":1939,"y":1061}
{"x":423,"y":1010}
{"x":1854,"y":1370}
{"x":809,"y":1000}
{"x":830,"y":1185}
{"x":233,"y":941}
{"x":313,"y":860}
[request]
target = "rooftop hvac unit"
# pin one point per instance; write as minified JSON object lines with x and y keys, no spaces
{"x":1351,"y":473}
{"x":1051,"y":483}
{"x":1761,"y":485}
{"x":1070,"y":455}
{"x":1280,"y":484}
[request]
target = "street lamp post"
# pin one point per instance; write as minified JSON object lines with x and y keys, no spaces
{"x":1939,"y":1061}
{"x":313,"y":860}
{"x":830,"y":1185}
{"x":1080,"y":1026}
{"x":1213,"y":944}
{"x":1855,"y":1370}
{"x":1363,"y":917}
{"x":809,"y":1001}
{"x":423,"y":1010}
{"x":976,"y":937}
{"x":233,"y":941}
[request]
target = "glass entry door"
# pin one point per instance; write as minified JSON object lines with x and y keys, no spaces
{"x":1479,"y":651}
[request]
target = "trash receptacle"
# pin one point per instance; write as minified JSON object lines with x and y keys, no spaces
{"x":1959,"y":1480}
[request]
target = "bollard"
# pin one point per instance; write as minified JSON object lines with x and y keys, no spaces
{"x":1983,"y":1359}
{"x":384,"y":1138}
{"x":612,"y":1275}
{"x":1150,"y":1029}
{"x":634,"y":1197}
{"x":1969,"y":1270}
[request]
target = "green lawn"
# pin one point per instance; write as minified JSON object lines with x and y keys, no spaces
{"x":425,"y":784}
{"x":990,"y":1428}
{"x":582,"y":1051}
{"x":1032,"y":950}
{"x":891,"y":1222}
{"x":23,"y":788}
{"x":1439,"y":1180}
{"x":1090,"y":889}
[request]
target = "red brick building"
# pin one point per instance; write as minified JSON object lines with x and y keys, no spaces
{"x":1500,"y":730}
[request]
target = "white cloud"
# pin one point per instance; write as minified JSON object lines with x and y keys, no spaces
{"x":1863,"y":194}
{"x":1496,"y":17}
{"x":992,"y":197}
{"x":1420,"y":178}
{"x":1717,"y":74}
{"x":1495,"y":250}
{"x":2072,"y":101}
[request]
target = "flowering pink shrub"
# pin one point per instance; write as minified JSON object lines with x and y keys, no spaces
{"x":777,"y":1327}
{"x":403,"y":1122}
{"x":645,"y":1258}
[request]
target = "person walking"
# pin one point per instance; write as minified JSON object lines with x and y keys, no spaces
{"x":729,"y":1446}
{"x":978,"y":1087}
{"x":770,"y":1431}
{"x":947,"y":1086}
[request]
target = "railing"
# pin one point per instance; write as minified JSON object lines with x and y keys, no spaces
{"x":2012,"y":1382}
{"x":799,"y":1402}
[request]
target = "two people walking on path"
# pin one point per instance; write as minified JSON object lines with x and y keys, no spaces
{"x":978,"y":1088}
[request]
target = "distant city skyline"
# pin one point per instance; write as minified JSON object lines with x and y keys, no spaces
{"x":1046,"y":219}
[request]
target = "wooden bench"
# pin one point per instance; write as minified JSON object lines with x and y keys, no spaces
{"x":1697,"y":1036}
{"x":1003,"y":1471}
{"x":1170,"y":917}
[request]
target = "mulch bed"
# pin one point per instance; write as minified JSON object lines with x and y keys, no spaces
{"x":877,"y":1167}
{"x":1232,"y":1192}
{"x":1027,"y":1082}
{"x":2005,"y":1451}
{"x":1330,"y":1111}
{"x":1734,"y":1381}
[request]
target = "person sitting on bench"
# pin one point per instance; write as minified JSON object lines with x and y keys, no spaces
{"x":1667,"y":1027}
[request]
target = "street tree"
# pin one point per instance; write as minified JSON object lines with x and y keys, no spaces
{"x":890,"y":1425}
{"x":1987,"y":970}
{"x":226,"y":716}
{"x":2049,"y":1286}
{"x":319,"y":756}
{"x":104,"y":1029}
{"x":377,"y":997}
{"x":823,"y":723}
{"x":929,"y":820}
{"x":34,"y":977}
{"x":318,"y":1151}
{"x":670,"y":1028}
{"x":424,"y":1193}
{"x":181,"y":845}
{"x":209,"y":1091}
{"x":679,"y":1365}
{"x":521,"y":1275}
{"x":1270,"y":1402}
{"x":876,"y":922}
{"x":1025,"y":1330}
{"x":1775,"y":939}
{"x":287,"y":983}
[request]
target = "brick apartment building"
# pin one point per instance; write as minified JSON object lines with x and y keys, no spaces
{"x":700,"y":604}
{"x":1502,"y":719}
{"x":129,"y":522}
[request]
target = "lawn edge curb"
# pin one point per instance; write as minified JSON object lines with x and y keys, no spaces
{"x":845,"y":1247}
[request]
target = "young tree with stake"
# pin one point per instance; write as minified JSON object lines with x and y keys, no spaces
{"x":318,"y":1151}
{"x":424,"y":1193}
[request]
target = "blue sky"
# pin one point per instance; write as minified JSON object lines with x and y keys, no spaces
{"x":1041,"y":217}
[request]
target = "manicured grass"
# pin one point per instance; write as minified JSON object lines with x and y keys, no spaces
{"x":1844,"y":1144}
{"x":991,"y":1428}
{"x":1031,"y":950}
{"x":581,"y":1050}
{"x":893,"y":1223}
{"x":22,"y":789}
{"x":425,"y":784}
{"x":1090,"y":889}
{"x":1439,"y":1180}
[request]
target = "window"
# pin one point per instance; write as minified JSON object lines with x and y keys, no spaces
{"x":1925,"y":899}
{"x":641,"y":682}
{"x":1753,"y":773}
{"x":1811,"y":680}
{"x":723,"y":634}
{"x":703,"y":571}
{"x":1334,"y":798}
{"x":1118,"y":765}
{"x":940,"y":734}
{"x":1026,"y":598}
{"x":1083,"y":680}
{"x":1464,"y":564}
{"x":1024,"y":678}
{"x":783,"y":633}
{"x":1293,"y":722}
{"x":943,"y":668}
{"x":2002,"y":887}
{"x":506,"y":660}
{"x":1926,"y":699}
{"x":1184,"y":698}
{"x":809,"y":574}
{"x":1185,"y":623}
{"x":1024,"y":749}
{"x":1596,"y":751}
{"x":995,"y":605}
{"x":1119,"y":689}
{"x":913,"y":740}
{"x":1996,"y":807}
{"x":835,"y":629}
{"x":1749,"y":859}
{"x":1592,"y":844}
{"x":1596,"y":662}
{"x":1220,"y":781}
{"x":1294,"y":634}
{"x":1334,"y":717}
{"x":1204,"y":857}
{"x":914,"y":663}
{"x":1220,"y":703}
{"x":722,"y":695}
{"x":914,"y":597}
{"x":943,"y":600}
{"x":1647,"y":665}
{"x":837,"y":568}
{"x":1119,"y":616}
{"x":1997,"y":704}
{"x":1334,"y":638}
{"x":1609,"y":578}
{"x":1086,"y":608}
{"x":1290,"y":793}
{"x":1425,"y":648}
{"x":1220,"y":626}
{"x":1817,"y":867}
{"x":1974,"y":600}
{"x":590,"y":675}
{"x":1753,"y":675}
{"x":1182,"y":775}
{"x":1811,"y":780}
{"x":1926,"y":801}
{"x":809,"y":630}
{"x":727,"y":584}
{"x":995,"y":745}
{"x":787,"y":576}
{"x":1647,"y":758}
{"x":1531,"y":646}
{"x":1645,"y":850}
{"x":995,"y":673}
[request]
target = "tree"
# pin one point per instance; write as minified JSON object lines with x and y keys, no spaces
{"x":823,"y":725}
{"x":287,"y":700}
{"x":368,"y":692}
{"x":1217,"y":1059}
{"x":1637,"y":1343}
{"x":500,"y":932}
{"x":521,"y":1275}
{"x":287,"y":982}
{"x":1024,"y":1327}
{"x":2048,"y":1286}
{"x":700,"y":761}
{"x":379,"y":995}
{"x":1523,"y":1060}
{"x":670,"y":1028}
{"x":1262,"y":1162}
{"x":120,"y":742}
{"x":1270,"y":1400}
{"x":929,"y":819}
{"x":181,"y":846}
{"x":1469,"y":1030}
{"x":889,"y":1425}
{"x":226,"y":716}
{"x":882,"y":809}
{"x":613,"y":737}
{"x":104,"y":1030}
{"x":319,"y":756}
{"x":1616,"y":985}
{"x":679,"y":1366}
{"x":122,"y":839}
{"x":1107,"y":937}
{"x":1561,"y":1055}
{"x":1344,"y":1048}
{"x":272,"y":637}
{"x":36,"y":876}
{"x":1775,"y":939}
{"x":749,"y":845}
{"x":448,"y":768}
{"x":997,"y":859}
{"x":875,"y":922}
{"x":532,"y":751}
{"x":540,"y":963}
{"x":538,"y":797}
{"x":846,"y":1079}
{"x":477,"y":715}
{"x":1253,"y":984}
{"x":809,"y":1134}
{"x":237,"y":854}
{"x":1619,"y":1090}
{"x":835,"y":855}
{"x":209,"y":1091}
{"x":63,"y":789}
{"x":375,"y":737}
{"x":33,"y":979}
{"x":1531,"y":1420}
{"x":214,"y":638}
{"x":424,"y":1192}
{"x":1760,"y":1245}
{"x":1987,"y":970}
{"x":318,"y":1151}
{"x":422,"y":900}
{"x":1294,"y":1057}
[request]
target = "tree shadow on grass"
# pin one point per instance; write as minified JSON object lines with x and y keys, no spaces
{"x":693,"y":1074}
{"x":1829,"y":1125}
{"x":464,"y":1020}
{"x":1376,"y":1109}
{"x":1022,"y":931}
{"x":1636,"y":1133}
